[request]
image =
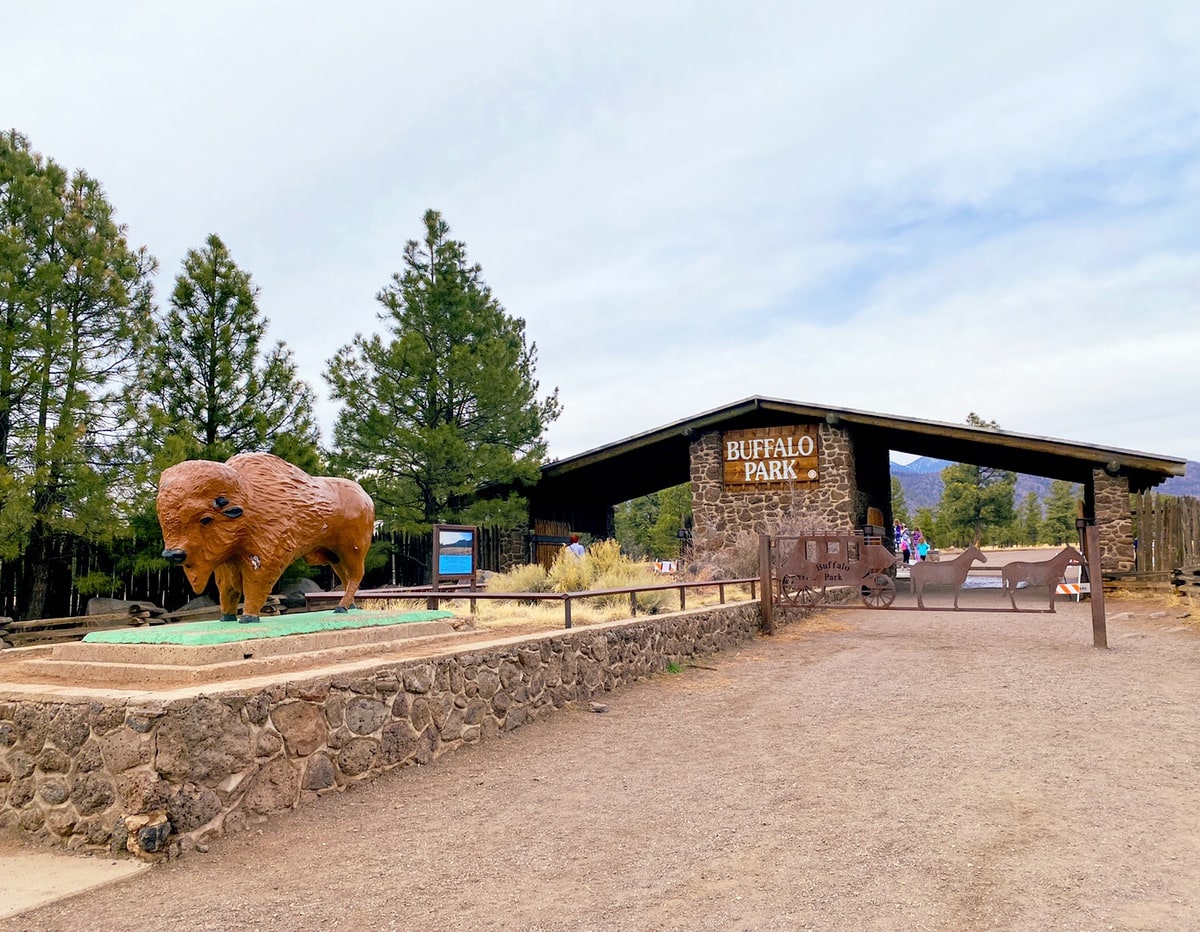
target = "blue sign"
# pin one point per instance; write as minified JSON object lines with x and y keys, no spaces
{"x":455,"y":551}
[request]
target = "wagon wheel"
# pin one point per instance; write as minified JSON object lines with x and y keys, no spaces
{"x":795,"y":589}
{"x":878,"y":591}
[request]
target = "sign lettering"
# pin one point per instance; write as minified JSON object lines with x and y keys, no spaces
{"x":770,"y":457}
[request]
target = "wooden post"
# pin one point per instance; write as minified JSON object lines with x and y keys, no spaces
{"x":764,"y":572}
{"x":567,"y":611}
{"x":1099,"y":631}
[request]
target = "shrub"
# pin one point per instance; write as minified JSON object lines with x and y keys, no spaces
{"x":569,"y":573}
{"x":625,"y":574}
{"x":604,"y":555}
{"x":528,"y":578}
{"x":602,"y":566}
{"x":737,"y":560}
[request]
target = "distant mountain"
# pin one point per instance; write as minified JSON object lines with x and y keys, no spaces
{"x":921,"y":481}
{"x":925,"y":464}
{"x":1187,"y":484}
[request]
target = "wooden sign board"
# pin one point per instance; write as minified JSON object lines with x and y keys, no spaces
{"x":770,"y":458}
{"x":455,"y":553}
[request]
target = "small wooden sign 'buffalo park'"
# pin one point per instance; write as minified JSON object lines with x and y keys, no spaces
{"x":770,"y":457}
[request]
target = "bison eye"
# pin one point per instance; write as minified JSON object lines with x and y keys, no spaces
{"x":207,"y":519}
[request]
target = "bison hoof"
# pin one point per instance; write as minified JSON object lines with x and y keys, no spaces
{"x":249,"y":619}
{"x":229,"y":617}
{"x":341,"y":610}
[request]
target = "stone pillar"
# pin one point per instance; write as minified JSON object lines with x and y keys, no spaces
{"x":720,"y":516}
{"x":513,"y":549}
{"x":1114,"y":520}
{"x":709,"y":524}
{"x":838,"y":494}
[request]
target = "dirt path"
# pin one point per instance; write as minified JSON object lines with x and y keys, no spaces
{"x":864,"y":770}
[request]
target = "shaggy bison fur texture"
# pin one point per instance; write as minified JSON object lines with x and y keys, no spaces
{"x":247,"y":519}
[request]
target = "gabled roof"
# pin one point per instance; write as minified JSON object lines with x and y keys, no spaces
{"x":658,"y":458}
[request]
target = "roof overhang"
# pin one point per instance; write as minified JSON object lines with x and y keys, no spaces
{"x":658,"y":458}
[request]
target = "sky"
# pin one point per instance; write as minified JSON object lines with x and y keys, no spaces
{"x":919,"y":209}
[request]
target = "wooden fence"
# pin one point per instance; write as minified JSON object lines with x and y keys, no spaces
{"x":1166,"y":530}
{"x":406,"y":562}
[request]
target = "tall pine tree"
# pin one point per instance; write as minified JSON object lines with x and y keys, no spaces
{"x":74,"y":299}
{"x":976,"y":500}
{"x":213,"y":389}
{"x":1062,"y":508}
{"x":444,"y":402}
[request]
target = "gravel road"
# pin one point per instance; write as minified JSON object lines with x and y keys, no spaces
{"x":860,"y":770}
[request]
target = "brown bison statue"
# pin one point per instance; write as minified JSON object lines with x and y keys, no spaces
{"x":247,"y":519}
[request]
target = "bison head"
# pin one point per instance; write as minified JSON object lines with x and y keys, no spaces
{"x":199,"y":510}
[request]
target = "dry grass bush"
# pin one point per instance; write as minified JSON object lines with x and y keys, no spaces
{"x":737,"y":560}
{"x":602,"y":566}
{"x":627,"y":574}
{"x":528,"y":578}
{"x":1165,"y":597}
{"x":569,"y":573}
{"x":605,"y":555}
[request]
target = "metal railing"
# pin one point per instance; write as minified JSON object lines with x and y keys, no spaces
{"x":434,"y":597}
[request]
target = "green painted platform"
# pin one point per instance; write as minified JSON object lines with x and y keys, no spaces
{"x":204,"y":633}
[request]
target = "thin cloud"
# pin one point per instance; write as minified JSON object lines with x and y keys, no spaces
{"x":920,"y":210}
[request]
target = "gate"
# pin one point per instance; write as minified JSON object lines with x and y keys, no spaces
{"x":549,"y":537}
{"x":800,"y":572}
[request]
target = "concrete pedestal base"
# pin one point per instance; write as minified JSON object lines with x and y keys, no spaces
{"x":216,"y":651}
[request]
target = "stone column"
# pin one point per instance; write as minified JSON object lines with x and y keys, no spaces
{"x":837,"y":495}
{"x":708,"y":519}
{"x":1114,"y":521}
{"x":513,"y":550}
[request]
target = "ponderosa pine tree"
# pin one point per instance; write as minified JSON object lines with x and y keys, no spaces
{"x":899,"y":502}
{"x":446,"y":401}
{"x":1062,"y":508}
{"x":649,"y":526}
{"x":212,"y":388}
{"x":1030,"y":519}
{"x":975,"y":499}
{"x":74,"y":299}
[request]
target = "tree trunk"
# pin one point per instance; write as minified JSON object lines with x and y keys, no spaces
{"x":37,"y":576}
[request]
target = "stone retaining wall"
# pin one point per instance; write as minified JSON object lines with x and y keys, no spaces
{"x":156,"y":775}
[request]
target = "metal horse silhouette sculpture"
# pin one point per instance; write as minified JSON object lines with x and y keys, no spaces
{"x":1047,"y":573}
{"x":950,"y":573}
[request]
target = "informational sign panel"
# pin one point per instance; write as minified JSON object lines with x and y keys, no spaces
{"x":771,"y":458}
{"x":455,"y":553}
